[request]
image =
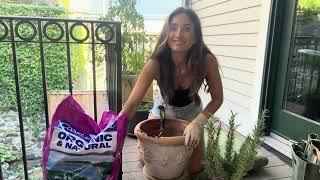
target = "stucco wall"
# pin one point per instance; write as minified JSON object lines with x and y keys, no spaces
{"x":236,"y":32}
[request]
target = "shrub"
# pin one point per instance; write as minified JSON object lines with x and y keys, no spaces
{"x":134,"y":40}
{"x":29,"y":66}
{"x":232,"y":164}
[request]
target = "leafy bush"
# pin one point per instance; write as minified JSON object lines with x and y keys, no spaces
{"x":9,"y":159}
{"x":232,"y":164}
{"x":309,"y":10}
{"x":145,"y":106}
{"x":7,"y":154}
{"x":134,"y":39}
{"x":28,"y":58}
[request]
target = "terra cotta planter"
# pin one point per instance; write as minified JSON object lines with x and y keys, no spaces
{"x":164,"y":157}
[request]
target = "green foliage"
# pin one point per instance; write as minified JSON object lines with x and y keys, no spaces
{"x":230,"y":153}
{"x":19,"y":1}
{"x":9,"y":161}
{"x":125,"y":11}
{"x":145,"y":106}
{"x":12,"y":165}
{"x":36,"y":173}
{"x":133,"y":34}
{"x":13,"y":170}
{"x":310,"y":9}
{"x":29,"y":66}
{"x":213,"y":161}
{"x":232,"y":165}
{"x":7,"y":154}
{"x":31,"y":10}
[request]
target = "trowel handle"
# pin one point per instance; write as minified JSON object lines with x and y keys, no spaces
{"x":162,"y":116}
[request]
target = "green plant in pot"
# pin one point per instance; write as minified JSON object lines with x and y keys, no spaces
{"x":136,"y":45}
{"x":141,"y":114}
{"x":226,"y":156}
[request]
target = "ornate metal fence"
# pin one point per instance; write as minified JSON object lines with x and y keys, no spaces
{"x":304,"y":70}
{"x":105,"y":34}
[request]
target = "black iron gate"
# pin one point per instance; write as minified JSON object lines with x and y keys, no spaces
{"x":105,"y":34}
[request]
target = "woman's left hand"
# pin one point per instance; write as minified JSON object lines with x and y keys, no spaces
{"x":193,"y":132}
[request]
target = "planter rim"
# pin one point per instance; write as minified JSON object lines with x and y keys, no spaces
{"x":166,"y":141}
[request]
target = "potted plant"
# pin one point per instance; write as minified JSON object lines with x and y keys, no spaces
{"x":141,"y":114}
{"x":163,"y":155}
{"x":135,"y":45}
{"x":226,"y":160}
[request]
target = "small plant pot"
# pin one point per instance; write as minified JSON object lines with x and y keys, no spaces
{"x":164,"y":157}
{"x":137,"y":118}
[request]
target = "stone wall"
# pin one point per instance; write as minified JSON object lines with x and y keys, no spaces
{"x":10,"y":136}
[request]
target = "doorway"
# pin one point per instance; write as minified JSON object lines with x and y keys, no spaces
{"x":295,"y":107}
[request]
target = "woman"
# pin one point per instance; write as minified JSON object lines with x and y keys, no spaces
{"x":180,"y":64}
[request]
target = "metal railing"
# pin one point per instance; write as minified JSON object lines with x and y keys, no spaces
{"x":304,"y":70}
{"x":105,"y":33}
{"x":137,"y":50}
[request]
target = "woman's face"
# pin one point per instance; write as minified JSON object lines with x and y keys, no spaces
{"x":181,"y":33}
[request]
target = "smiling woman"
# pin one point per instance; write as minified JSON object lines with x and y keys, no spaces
{"x":180,"y":64}
{"x":181,"y":33}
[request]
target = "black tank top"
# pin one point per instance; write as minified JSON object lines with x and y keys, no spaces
{"x":181,"y":98}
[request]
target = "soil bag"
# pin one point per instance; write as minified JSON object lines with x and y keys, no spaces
{"x":75,"y":147}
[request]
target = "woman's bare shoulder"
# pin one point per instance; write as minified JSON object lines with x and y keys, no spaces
{"x":211,"y":62}
{"x":210,"y":58}
{"x":153,"y":64}
{"x":153,"y":67}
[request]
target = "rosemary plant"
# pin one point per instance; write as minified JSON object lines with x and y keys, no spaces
{"x":232,"y":164}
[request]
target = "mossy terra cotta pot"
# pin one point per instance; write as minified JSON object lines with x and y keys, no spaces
{"x":164,"y":157}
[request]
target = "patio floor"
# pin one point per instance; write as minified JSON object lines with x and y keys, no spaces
{"x":132,"y":170}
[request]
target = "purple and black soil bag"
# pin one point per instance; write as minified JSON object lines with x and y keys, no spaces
{"x":75,"y":147}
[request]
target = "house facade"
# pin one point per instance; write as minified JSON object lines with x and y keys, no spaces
{"x":269,"y":57}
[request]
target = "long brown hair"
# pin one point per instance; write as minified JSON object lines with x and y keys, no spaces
{"x":195,"y":57}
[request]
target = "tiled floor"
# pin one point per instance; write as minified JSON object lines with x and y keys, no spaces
{"x":132,"y":170}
